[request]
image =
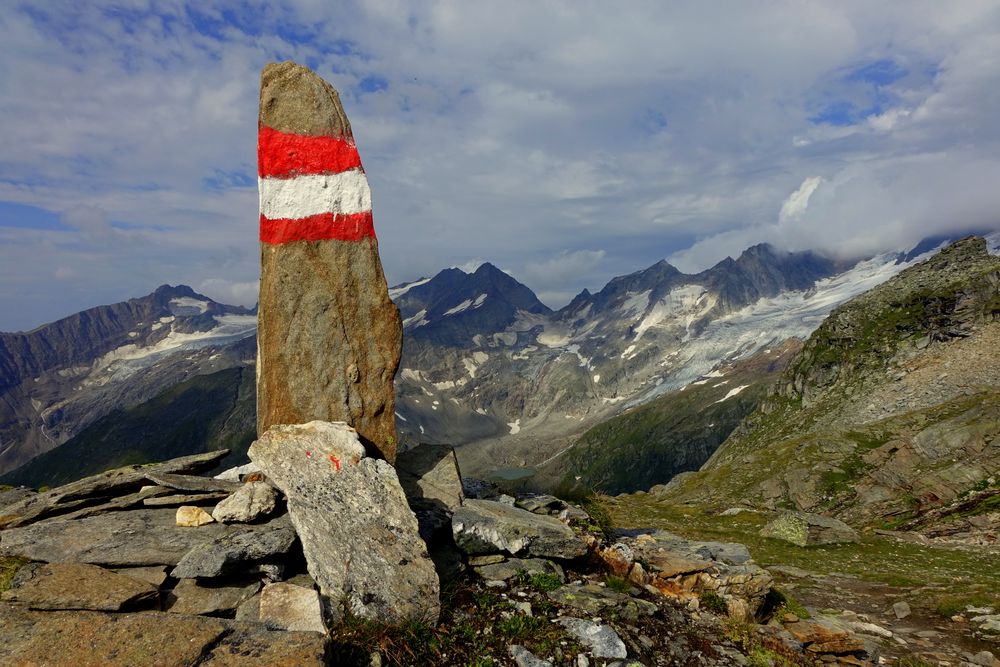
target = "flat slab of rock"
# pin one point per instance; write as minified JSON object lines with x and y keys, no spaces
{"x":250,"y":502}
{"x":119,"y":539}
{"x":602,"y":601}
{"x":96,"y":638}
{"x":155,"y":575}
{"x":510,"y":568}
{"x":107,"y":483}
{"x":248,"y":645}
{"x":234,"y":550}
{"x":191,"y":597}
{"x":359,"y":536}
{"x":77,"y":586}
{"x":328,"y":336}
{"x":602,"y":640}
{"x":90,"y":638}
{"x":192,"y":482}
{"x":286,"y":606}
{"x":805,"y":529}
{"x":185,"y":499}
{"x":488,"y":526}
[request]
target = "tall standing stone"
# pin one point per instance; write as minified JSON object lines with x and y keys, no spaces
{"x":328,"y":337}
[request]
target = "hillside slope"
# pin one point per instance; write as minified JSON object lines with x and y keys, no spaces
{"x":205,"y":413}
{"x":890,"y":413}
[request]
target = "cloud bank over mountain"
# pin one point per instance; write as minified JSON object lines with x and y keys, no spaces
{"x":566,"y":143}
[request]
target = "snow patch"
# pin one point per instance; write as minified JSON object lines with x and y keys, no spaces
{"x":401,"y":417}
{"x":465,"y":305}
{"x":732,"y":392}
{"x":410,"y":374}
{"x":597,"y":378}
{"x":515,"y":426}
{"x":400,"y":290}
{"x":635,"y":303}
{"x":416,"y":320}
{"x":185,"y":304}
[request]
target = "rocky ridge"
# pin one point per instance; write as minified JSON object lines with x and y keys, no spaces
{"x":533,"y":578}
{"x":891,"y":410}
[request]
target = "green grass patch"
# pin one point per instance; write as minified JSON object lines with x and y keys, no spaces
{"x":475,"y":630}
{"x":949,"y":605}
{"x":777,"y":603}
{"x":540,"y":581}
{"x":618,"y":584}
{"x":8,"y":568}
{"x":714,"y":603}
{"x":875,"y":558}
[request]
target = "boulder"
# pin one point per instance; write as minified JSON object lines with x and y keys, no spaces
{"x":190,"y":516}
{"x":252,"y":501}
{"x":805,"y":529}
{"x":77,"y":586}
{"x":119,"y":539}
{"x":602,"y":641}
{"x":328,"y":336}
{"x":487,"y":526}
{"x":286,"y":606}
{"x":359,"y":536}
{"x":236,"y":550}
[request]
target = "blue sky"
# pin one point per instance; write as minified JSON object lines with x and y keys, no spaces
{"x":563,"y":142}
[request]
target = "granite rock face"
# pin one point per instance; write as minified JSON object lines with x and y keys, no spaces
{"x":359,"y":536}
{"x":487,"y":526}
{"x":329,"y":338}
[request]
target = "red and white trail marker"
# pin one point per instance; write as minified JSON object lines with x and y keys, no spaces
{"x":312,"y":188}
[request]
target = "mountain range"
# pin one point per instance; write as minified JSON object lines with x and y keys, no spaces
{"x":486,"y":366}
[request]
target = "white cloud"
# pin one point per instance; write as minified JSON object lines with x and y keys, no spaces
{"x":525,"y":135}
{"x":797,"y":202}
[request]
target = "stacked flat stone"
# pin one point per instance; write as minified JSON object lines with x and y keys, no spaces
{"x":329,"y":337}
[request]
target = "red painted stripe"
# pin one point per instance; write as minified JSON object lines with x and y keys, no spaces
{"x":322,"y":227}
{"x":284,"y":155}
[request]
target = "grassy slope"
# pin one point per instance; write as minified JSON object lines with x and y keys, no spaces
{"x":945,"y":573}
{"x":203,"y":413}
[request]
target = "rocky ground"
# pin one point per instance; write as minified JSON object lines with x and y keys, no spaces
{"x":919,"y":601}
{"x":155,"y":565}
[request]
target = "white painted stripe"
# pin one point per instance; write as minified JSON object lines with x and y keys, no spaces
{"x":303,"y":196}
